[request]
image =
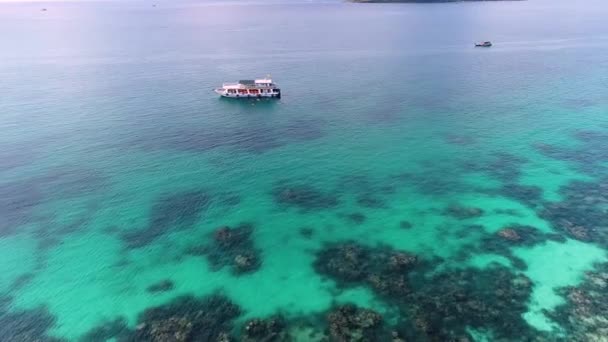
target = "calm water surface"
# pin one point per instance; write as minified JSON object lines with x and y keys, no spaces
{"x":456,"y":192}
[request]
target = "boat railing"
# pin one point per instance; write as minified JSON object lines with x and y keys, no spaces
{"x":247,"y":86}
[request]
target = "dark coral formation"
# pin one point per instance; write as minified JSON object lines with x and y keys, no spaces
{"x":305,"y":197}
{"x":356,"y":218}
{"x":365,"y":186}
{"x":229,"y":199}
{"x":187,"y":319}
{"x":346,"y":262}
{"x":306,"y":232}
{"x":529,"y":195}
{"x":505,"y":166}
{"x":468,"y":230}
{"x":179,"y":211}
{"x":107,"y":331}
{"x":432,"y":182}
{"x":232,"y":247}
{"x":272,"y":329}
{"x":16,"y":155}
{"x":5,"y":302}
{"x":460,"y":140}
{"x":435,"y":306}
{"x":444,"y":305}
{"x":509,"y":212}
{"x":517,"y":235}
{"x":69,"y":182}
{"x":514,"y":235}
{"x":371,"y":201}
{"x":17,"y":200}
{"x":27,"y":326}
{"x":590,"y":156}
{"x":348,"y":323}
{"x":463,"y":213}
{"x":582,"y":213}
{"x":254,"y":138}
{"x":405,"y":225}
{"x":509,"y":234}
{"x":161,"y":286}
{"x":584,"y":314}
{"x":383,"y":269}
{"x":21,"y":281}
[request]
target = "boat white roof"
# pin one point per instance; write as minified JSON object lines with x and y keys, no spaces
{"x":263,"y":80}
{"x":260,"y":82}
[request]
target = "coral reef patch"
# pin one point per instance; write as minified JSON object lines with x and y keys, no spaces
{"x":356,"y":218}
{"x":161,"y":286}
{"x":272,"y":329}
{"x":179,"y":210}
{"x":349,"y":323}
{"x":581,"y":215}
{"x":303,"y":196}
{"x":117,"y":330}
{"x":516,"y":235}
{"x":253,"y":138}
{"x":370,"y":201}
{"x":529,"y":195}
{"x":232,"y":247}
{"x":184,"y":319}
{"x":27,"y":326}
{"x":435,"y":305}
{"x":584,"y":316}
{"x":383,"y":269}
{"x":589,"y":156}
{"x":462,"y":212}
{"x":405,"y":224}
{"x":187,"y":319}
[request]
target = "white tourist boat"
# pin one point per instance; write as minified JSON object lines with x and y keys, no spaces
{"x":259,"y":88}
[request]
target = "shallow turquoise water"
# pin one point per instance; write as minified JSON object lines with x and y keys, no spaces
{"x":106,"y":110}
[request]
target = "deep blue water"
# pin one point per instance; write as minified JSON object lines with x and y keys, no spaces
{"x":457,"y":192}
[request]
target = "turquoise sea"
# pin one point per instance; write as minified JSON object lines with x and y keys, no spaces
{"x":407,"y":187}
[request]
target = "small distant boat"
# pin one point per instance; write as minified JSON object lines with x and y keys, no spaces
{"x":483,"y":44}
{"x":263,"y":87}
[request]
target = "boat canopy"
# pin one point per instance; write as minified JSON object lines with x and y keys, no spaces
{"x":264,"y":81}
